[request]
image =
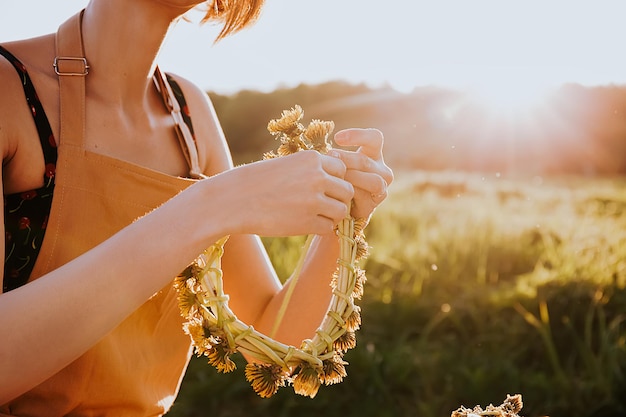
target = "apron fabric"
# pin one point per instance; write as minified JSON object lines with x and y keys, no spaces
{"x":136,"y":369}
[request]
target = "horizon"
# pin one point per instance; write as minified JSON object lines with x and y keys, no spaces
{"x":485,"y":46}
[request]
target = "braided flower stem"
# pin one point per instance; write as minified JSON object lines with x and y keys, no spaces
{"x":215,"y":330}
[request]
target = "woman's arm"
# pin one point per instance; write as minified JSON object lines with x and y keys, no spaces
{"x":55,"y":319}
{"x":370,"y":178}
{"x":256,"y":294}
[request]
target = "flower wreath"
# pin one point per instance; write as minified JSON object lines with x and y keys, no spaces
{"x":216,"y":332}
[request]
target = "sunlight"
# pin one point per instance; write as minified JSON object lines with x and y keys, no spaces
{"x":507,"y":94}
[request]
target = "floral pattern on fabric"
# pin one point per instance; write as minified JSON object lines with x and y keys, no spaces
{"x":26,"y":213}
{"x":178,"y":93}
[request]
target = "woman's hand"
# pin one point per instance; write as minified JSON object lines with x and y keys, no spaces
{"x":303,"y":193}
{"x":366,"y":169}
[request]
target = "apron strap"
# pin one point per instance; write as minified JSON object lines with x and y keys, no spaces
{"x":185,"y":138}
{"x":71,"y":66}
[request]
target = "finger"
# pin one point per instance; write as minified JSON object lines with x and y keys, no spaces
{"x":354,"y":160}
{"x":370,"y":141}
{"x":334,"y":166}
{"x":371,"y":183}
{"x":360,"y":162}
{"x":340,"y":190}
{"x":324,"y":225}
{"x":335,"y":210}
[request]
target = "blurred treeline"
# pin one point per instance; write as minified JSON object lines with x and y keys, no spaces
{"x":576,"y":130}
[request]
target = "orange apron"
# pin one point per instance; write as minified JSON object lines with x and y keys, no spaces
{"x":136,"y":369}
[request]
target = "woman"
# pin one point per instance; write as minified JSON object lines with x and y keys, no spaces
{"x":90,"y":316}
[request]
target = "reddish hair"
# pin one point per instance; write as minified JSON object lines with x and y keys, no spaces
{"x":234,"y":14}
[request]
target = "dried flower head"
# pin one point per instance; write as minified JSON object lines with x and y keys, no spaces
{"x":187,"y":280}
{"x":353,"y":321}
{"x":333,"y":370}
{"x":509,"y":408}
{"x":187,"y":303}
{"x":219,"y":357}
{"x":307,"y":380}
{"x":265,"y":378}
{"x":317,"y":133}
{"x":200,"y":336}
{"x":191,"y":271}
{"x":513,"y":403}
{"x":359,"y":284}
{"x":289,"y":146}
{"x":362,"y":248}
{"x":359,"y":225}
{"x":345,"y":342}
{"x":288,"y":124}
{"x":269,"y":155}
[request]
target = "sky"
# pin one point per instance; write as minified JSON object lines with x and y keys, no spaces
{"x":484,"y":44}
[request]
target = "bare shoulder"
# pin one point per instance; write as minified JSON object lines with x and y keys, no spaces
{"x":19,"y":139}
{"x":12,"y":107}
{"x":212,"y":146}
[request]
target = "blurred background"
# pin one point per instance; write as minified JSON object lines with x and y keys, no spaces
{"x":498,"y":262}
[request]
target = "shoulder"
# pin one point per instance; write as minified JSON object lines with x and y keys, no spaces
{"x":198,"y":101}
{"x":11,"y":82}
{"x":33,"y":56}
{"x":19,"y":138}
{"x":212,"y":145}
{"x":12,"y":106}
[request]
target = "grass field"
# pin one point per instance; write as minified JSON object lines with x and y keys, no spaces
{"x":478,"y":286}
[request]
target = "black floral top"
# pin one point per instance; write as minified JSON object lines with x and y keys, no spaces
{"x":26,"y":214}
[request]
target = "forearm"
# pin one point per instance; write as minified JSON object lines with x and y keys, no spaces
{"x":310,"y":298}
{"x":59,"y":316}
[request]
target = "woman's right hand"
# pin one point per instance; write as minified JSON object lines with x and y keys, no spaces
{"x":303,"y":193}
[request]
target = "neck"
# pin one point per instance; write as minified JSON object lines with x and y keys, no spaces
{"x":122,"y":39}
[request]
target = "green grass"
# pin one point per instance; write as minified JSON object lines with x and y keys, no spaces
{"x":478,"y":287}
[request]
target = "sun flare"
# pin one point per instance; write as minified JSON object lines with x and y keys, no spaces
{"x":505,"y":95}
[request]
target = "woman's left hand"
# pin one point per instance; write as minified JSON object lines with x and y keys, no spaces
{"x":366,"y":169}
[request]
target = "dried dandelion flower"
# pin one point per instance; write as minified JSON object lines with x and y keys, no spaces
{"x":180,"y":282}
{"x":359,"y":225}
{"x":265,"y":378}
{"x":187,"y":303}
{"x":191,"y":271}
{"x":289,"y":147}
{"x":353,"y":321}
{"x":333,"y":370}
{"x":269,"y":155}
{"x":509,"y":408}
{"x":187,"y":279}
{"x":288,"y":124}
{"x":317,"y":133}
{"x":513,"y":403}
{"x":219,"y":357}
{"x":345,"y":342}
{"x":307,"y":381}
{"x":362,"y":248}
{"x":200,"y":336}
{"x":359,"y":284}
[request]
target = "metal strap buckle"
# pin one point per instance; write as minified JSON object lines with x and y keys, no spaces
{"x":82,"y":72}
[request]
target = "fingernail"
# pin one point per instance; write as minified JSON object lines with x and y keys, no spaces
{"x":333,"y":153}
